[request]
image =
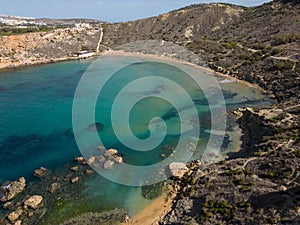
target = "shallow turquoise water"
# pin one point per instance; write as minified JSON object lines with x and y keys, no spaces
{"x":36,"y":121}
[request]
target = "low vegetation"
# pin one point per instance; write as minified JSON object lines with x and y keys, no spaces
{"x":9,"y":30}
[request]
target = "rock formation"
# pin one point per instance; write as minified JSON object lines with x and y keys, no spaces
{"x":33,"y":202}
{"x":41,"y":172}
{"x":178,"y":169}
{"x":12,"y":189}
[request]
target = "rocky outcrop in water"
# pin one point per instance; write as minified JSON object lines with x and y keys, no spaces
{"x":10,"y":190}
{"x":41,"y":172}
{"x":60,"y":189}
{"x":54,"y":187}
{"x":107,"y":159}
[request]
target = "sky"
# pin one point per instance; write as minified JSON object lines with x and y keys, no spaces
{"x":105,"y":10}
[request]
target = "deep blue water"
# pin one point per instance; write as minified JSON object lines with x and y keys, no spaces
{"x":36,"y":109}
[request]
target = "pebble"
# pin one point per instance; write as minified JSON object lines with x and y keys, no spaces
{"x":88,"y":171}
{"x":75,"y":168}
{"x":91,"y":160}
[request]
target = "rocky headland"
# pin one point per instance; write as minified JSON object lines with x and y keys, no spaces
{"x":261,"y":183}
{"x":46,"y":47}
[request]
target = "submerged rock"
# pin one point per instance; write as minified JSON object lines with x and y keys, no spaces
{"x":12,"y":189}
{"x":96,"y":126}
{"x":34,"y":201}
{"x":75,"y":168}
{"x":110,"y":152}
{"x":41,"y":172}
{"x":89,"y":172}
{"x":178,"y":169}
{"x":100,"y":158}
{"x":108,"y":164}
{"x":91,"y":160}
{"x":118,"y":159}
{"x":2,"y":193}
{"x":74,"y":180}
{"x":7,"y":205}
{"x":100,"y":148}
{"x":53,"y":187}
{"x":80,"y":160}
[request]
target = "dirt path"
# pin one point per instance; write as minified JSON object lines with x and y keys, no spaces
{"x":100,"y":39}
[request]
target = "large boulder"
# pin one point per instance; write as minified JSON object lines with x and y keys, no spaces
{"x":12,"y":189}
{"x":33,"y":202}
{"x":178,"y":169}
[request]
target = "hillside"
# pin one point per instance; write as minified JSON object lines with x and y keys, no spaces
{"x":254,"y":44}
{"x":45,"y":47}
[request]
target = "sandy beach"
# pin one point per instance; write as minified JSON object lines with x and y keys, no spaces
{"x":18,"y":66}
{"x":173,"y":59}
{"x":154,"y":212}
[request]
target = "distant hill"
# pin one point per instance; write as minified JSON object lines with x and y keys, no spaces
{"x":17,"y":20}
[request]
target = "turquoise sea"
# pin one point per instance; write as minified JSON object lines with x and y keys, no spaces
{"x":36,"y":120}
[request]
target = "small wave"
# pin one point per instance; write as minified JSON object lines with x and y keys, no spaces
{"x":226,"y":81}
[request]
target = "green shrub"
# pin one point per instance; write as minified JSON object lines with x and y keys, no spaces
{"x":85,"y":48}
{"x":229,"y":45}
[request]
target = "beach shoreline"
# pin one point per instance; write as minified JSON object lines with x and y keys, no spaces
{"x":173,"y":59}
{"x":20,"y":66}
{"x":155,"y":211}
